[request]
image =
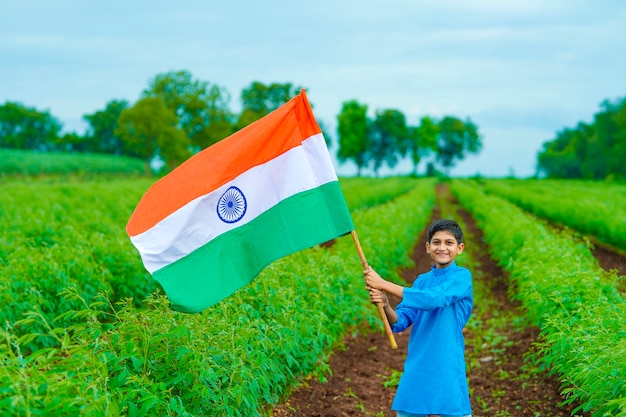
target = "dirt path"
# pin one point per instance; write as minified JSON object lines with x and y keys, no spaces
{"x":501,"y":383}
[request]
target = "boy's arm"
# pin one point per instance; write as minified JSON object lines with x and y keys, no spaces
{"x":456,"y":287}
{"x":375,"y":281}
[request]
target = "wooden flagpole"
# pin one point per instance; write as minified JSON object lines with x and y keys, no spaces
{"x":381,"y":310}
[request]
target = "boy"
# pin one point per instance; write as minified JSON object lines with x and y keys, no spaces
{"x":438,"y":305}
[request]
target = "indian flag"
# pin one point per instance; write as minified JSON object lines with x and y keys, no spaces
{"x":211,"y":225}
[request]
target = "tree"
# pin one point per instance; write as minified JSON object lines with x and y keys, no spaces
{"x":150,"y":129}
{"x":454,"y":140}
{"x":259,"y":100}
{"x":592,"y":151}
{"x":71,"y":141}
{"x":100,"y":136}
{"x":606,"y":156}
{"x":352,"y":130}
{"x":423,"y":140}
{"x":202,"y":109}
{"x":24,"y":127}
{"x":389,"y":138}
{"x":563,"y":157}
{"x":617,"y":166}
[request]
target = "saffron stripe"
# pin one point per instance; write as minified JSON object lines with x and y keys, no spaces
{"x":256,"y":144}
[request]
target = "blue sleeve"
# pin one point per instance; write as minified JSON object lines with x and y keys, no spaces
{"x":457,"y":287}
{"x":406,"y":317}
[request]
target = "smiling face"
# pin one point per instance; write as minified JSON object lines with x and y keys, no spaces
{"x":443,"y":248}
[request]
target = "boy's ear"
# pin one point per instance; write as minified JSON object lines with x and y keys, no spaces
{"x":460,"y":248}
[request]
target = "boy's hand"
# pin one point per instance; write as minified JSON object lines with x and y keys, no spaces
{"x":377,"y":296}
{"x":373,"y":280}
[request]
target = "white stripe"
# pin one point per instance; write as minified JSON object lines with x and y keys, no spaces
{"x":197,"y":223}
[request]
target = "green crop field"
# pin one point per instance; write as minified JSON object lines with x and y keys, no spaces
{"x":575,"y":303}
{"x":591,"y":207}
{"x":18,"y":162}
{"x":87,"y":331}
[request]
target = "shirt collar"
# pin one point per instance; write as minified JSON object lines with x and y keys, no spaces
{"x":443,"y":271}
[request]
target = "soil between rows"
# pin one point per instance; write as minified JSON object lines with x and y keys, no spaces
{"x":356,"y":388}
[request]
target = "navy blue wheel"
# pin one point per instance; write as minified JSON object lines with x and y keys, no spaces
{"x":232,"y":205}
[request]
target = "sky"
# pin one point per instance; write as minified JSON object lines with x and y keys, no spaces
{"x":520,"y":70}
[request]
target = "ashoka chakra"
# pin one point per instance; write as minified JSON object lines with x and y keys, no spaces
{"x":232,"y":205}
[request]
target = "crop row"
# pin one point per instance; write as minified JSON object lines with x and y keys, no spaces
{"x":55,"y":235}
{"x":237,"y":358}
{"x":19,"y":162}
{"x":594,"y":208}
{"x":565,"y":293}
{"x":362,"y":192}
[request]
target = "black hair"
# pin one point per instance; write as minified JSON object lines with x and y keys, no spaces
{"x":447,"y":225}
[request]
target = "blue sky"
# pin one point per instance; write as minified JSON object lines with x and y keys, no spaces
{"x":520,"y":70}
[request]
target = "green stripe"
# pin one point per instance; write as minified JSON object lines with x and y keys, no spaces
{"x":230,"y":261}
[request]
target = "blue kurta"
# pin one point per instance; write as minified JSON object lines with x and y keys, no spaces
{"x":438,"y":306}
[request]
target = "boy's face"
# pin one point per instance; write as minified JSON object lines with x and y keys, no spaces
{"x":443,"y":248}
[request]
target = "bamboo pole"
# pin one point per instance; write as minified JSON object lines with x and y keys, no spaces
{"x":381,"y":310}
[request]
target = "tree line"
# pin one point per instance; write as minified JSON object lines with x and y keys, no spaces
{"x":178,"y":115}
{"x":594,"y":150}
{"x":387,"y":137}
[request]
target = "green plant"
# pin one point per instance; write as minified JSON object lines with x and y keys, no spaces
{"x":592,"y":207}
{"x":393,"y":379}
{"x":111,"y":355}
{"x":566,"y":294}
{"x":29,"y":163}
